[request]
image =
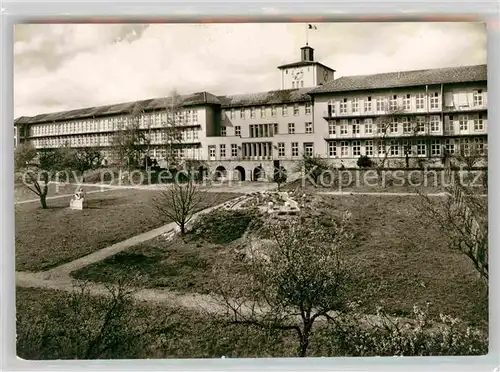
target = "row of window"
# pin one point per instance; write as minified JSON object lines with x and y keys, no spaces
{"x":222,"y":151}
{"x":435,"y":147}
{"x":148,"y":120}
{"x":406,"y":125}
{"x":394,"y":102}
{"x":102,"y":139}
{"x":74,"y":141}
{"x":391,"y":148}
{"x":266,"y":130}
{"x":266,"y":111}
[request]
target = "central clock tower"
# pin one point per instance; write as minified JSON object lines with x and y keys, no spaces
{"x":306,"y":73}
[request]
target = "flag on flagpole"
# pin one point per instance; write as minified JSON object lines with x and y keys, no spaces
{"x":312,"y":27}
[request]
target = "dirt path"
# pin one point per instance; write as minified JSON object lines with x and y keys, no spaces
{"x":169,"y":230}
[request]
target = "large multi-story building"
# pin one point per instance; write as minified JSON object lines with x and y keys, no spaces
{"x":420,"y":114}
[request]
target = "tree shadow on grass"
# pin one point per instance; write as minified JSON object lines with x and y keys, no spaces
{"x":103,"y":203}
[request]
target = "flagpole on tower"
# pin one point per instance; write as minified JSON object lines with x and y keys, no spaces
{"x":307,"y":34}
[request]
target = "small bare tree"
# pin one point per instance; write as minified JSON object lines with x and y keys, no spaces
{"x":462,"y":215}
{"x":129,"y":140}
{"x":295,"y":276}
{"x":37,"y":168}
{"x":172,"y":128}
{"x":181,"y":199}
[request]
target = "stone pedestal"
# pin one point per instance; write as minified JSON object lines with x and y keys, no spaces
{"x":77,"y":204}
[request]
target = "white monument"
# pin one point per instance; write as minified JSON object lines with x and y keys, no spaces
{"x":78,"y":201}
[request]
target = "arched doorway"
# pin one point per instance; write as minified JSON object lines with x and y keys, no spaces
{"x":239,"y":173}
{"x":259,"y":173}
{"x":220,"y":172}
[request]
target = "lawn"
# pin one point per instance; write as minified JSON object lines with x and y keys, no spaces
{"x":173,"y":333}
{"x":431,"y":181}
{"x":47,"y":238}
{"x":57,"y":325}
{"x":182,"y":264}
{"x":22,"y":193}
{"x":396,"y":261}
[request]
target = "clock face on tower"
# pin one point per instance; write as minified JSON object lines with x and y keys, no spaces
{"x":298,"y":75}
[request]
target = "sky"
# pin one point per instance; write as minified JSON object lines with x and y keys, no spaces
{"x":66,"y":66}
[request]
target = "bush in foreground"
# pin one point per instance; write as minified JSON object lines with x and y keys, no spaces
{"x":390,"y":336}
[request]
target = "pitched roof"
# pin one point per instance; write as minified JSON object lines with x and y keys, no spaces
{"x":302,"y":64}
{"x":405,"y":79}
{"x":273,"y":97}
{"x":198,"y":98}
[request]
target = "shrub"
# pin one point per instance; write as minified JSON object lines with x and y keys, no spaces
{"x":364,"y":162}
{"x":78,"y":325}
{"x":222,"y":226}
{"x":420,"y":336}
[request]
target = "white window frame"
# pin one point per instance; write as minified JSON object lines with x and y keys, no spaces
{"x":434,"y":123}
{"x":355,"y":105}
{"x":332,"y":149}
{"x":309,"y":149}
{"x":435,"y":148}
{"x":479,"y":123}
{"x":368,"y":123}
{"x":343,"y":106}
{"x":344,"y":149}
{"x":309,"y":127}
{"x":463,"y":122}
{"x":393,"y":102}
{"x":356,"y":148}
{"x":407,"y":102}
{"x":420,"y":101}
{"x":478,"y":98}
{"x":434,"y":101}
{"x":421,"y":148}
{"x":380,"y":104}
{"x":369,"y":148}
{"x":281,"y":149}
{"x":331,"y":127}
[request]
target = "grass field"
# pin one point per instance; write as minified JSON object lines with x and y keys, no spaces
{"x":47,"y":238}
{"x":185,"y":334}
{"x":395,"y":258}
{"x":56,"y":325}
{"x":179,"y":265}
{"x":431,"y":181}
{"x":22,"y":193}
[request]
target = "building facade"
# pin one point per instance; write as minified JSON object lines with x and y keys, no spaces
{"x":401,"y":116}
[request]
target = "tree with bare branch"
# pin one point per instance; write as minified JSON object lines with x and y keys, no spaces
{"x":463,"y":216}
{"x":37,"y":168}
{"x":295,"y":276}
{"x":130,"y":141}
{"x":173,"y":127}
{"x":181,"y":199}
